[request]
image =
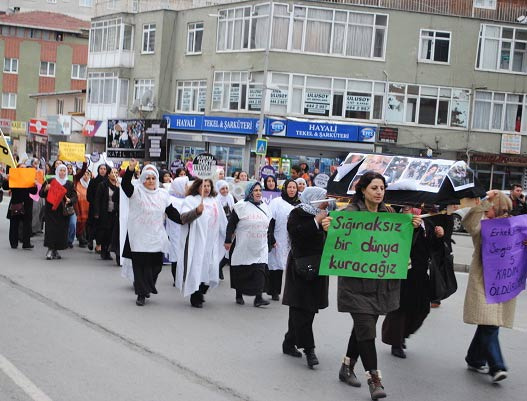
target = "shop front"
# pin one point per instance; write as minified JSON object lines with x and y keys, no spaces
{"x":225,"y":137}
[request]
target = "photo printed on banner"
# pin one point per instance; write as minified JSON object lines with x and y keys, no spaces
{"x":352,"y":159}
{"x":351,"y":188}
{"x":435,"y":175}
{"x":376,"y":163}
{"x":461,"y":176}
{"x":395,"y":169}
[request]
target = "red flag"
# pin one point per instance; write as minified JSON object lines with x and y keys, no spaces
{"x":56,"y":193}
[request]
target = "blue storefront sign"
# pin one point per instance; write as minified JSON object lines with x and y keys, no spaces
{"x":324,"y":130}
{"x":228,"y":125}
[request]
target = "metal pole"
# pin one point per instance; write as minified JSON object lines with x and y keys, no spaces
{"x":259,"y":158}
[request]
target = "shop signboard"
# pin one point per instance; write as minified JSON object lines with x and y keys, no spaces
{"x":137,"y":138}
{"x":388,"y":134}
{"x":235,"y":94}
{"x":511,"y":144}
{"x":18,"y":127}
{"x":279,"y":97}
{"x":90,"y":128}
{"x":217,"y":94}
{"x":228,"y":125}
{"x":38,"y":127}
{"x":255,"y":98}
{"x":358,"y":103}
{"x":317,"y":102}
{"x":59,"y":125}
{"x":5,"y":125}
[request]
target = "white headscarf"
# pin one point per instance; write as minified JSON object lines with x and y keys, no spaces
{"x":178,"y":187}
{"x":301,"y":180}
{"x":227,"y":200}
{"x":83,"y":182}
{"x":149,"y":170}
{"x":311,"y":194}
{"x":62,"y":181}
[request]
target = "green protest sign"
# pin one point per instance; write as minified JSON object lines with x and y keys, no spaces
{"x":48,"y":176}
{"x":367,"y":245}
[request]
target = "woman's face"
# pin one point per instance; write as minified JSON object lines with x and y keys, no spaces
{"x":491,"y":213}
{"x":270,"y":183}
{"x":291,"y":189}
{"x":182,"y":173}
{"x":167,"y":178}
{"x":224,"y":191}
{"x":243,"y":176}
{"x":87,"y":175}
{"x":102,"y":171}
{"x":257,"y":193}
{"x":113,"y":175}
{"x":301,"y":186}
{"x":62,"y":173}
{"x":374,"y":192}
{"x":432,"y":170}
{"x":221,"y":175}
{"x":70,"y":169}
{"x":204,"y":188}
{"x":150,"y":182}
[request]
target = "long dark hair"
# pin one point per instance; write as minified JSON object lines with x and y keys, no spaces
{"x":363,"y":183}
{"x":194,"y":188}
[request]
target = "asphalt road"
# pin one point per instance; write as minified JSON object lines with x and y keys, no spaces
{"x":71,"y":332}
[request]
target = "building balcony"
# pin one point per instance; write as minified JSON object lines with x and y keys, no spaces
{"x":105,"y":111}
{"x":114,"y":59}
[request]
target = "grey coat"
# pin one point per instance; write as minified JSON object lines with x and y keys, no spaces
{"x":371,"y":296}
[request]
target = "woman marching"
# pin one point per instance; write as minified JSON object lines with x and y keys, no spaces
{"x":147,"y":239}
{"x":91,"y":194}
{"x":106,"y":212}
{"x":250,"y":222}
{"x":280,"y":209}
{"x":303,"y":294}
{"x":201,"y":241}
{"x":178,"y":190}
{"x":270,"y":184}
{"x":82,"y":206}
{"x":484,"y":353}
{"x":367,"y":299}
{"x":60,"y":199}
{"x":226,"y":201}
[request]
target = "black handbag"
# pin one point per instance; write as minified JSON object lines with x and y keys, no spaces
{"x":68,"y":209}
{"x":16,"y":209}
{"x":442,"y":276}
{"x":307,"y":267}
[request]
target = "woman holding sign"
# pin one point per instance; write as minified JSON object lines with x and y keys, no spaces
{"x":60,"y":196}
{"x":484,"y":353}
{"x":250,"y":221}
{"x":366,"y":299}
{"x":305,"y":294}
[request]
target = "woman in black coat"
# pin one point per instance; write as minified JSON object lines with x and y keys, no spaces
{"x":105,"y":213}
{"x":91,"y":193}
{"x":304,"y":297}
{"x":21,"y":201}
{"x":56,"y":223}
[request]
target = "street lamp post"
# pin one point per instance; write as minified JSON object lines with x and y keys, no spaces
{"x":261,"y":119}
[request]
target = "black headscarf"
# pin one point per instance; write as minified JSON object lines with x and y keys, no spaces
{"x":275,"y":184}
{"x":249,"y":192}
{"x":294,"y":200}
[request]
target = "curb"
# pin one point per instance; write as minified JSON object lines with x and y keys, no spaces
{"x":458,"y":267}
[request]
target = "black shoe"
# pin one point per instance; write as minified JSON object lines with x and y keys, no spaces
{"x":140,"y":300}
{"x":291,"y":350}
{"x":196,"y":300}
{"x":106,"y":256}
{"x":147,"y":296}
{"x":240,"y":301}
{"x":398,"y":352}
{"x":90,"y":245}
{"x":275,"y":297}
{"x":70,"y":245}
{"x":28,"y":246}
{"x":260,"y":302}
{"x":56,"y":255}
{"x":82,"y":244}
{"x":311,"y":358}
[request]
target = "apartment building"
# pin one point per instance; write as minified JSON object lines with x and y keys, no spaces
{"x":431,"y":77}
{"x":41,"y":53}
{"x":82,"y":9}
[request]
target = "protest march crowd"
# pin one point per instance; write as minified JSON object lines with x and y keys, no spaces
{"x":148,"y":218}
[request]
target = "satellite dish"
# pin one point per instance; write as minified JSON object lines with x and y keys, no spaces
{"x":146,"y":99}
{"x":135,"y":106}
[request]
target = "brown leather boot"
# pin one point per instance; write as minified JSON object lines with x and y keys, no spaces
{"x":375,"y":385}
{"x":346,"y":373}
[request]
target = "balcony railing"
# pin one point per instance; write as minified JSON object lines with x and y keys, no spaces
{"x":106,"y":7}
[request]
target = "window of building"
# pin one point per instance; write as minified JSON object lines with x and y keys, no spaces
{"x":9,"y":100}
{"x":20,"y":32}
{"x":305,"y":29}
{"x":434,"y":46}
{"x":78,"y":105}
{"x":123,"y":91}
{"x":111,"y":4}
{"x":194,"y":37}
{"x":502,"y":48}
{"x":102,"y":88}
{"x":47,"y":69}
{"x":78,"y":71}
{"x":86,"y":3}
{"x":499,"y":111}
{"x":229,"y":91}
{"x":427,"y":105}
{"x":149,"y":38}
{"x":110,"y":36}
{"x":191,"y":96}
{"x":35,"y":33}
{"x":60,"y":106}
{"x":489,"y":4}
{"x":11,"y":65}
{"x":141,"y":86}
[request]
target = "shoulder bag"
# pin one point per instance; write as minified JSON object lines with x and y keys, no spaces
{"x":306,"y":267}
{"x":16,"y":209}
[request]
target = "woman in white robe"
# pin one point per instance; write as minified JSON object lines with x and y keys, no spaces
{"x":177,"y":191}
{"x":280,"y":209}
{"x":226,"y":201}
{"x":202,"y":243}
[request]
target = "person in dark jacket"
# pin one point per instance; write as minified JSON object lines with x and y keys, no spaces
{"x":20,"y":210}
{"x":415,"y":290}
{"x":518,"y":203}
{"x":366,"y":299}
{"x":304,"y":297}
{"x":105,"y":212}
{"x":56,"y":223}
{"x":91,"y":193}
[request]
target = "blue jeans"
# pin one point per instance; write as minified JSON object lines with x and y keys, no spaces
{"x":485,"y":349}
{"x":72,"y":228}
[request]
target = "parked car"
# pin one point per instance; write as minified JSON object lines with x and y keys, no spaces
{"x":458,"y":216}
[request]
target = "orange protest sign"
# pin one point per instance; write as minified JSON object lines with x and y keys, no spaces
{"x":22,"y":177}
{"x":40,"y":176}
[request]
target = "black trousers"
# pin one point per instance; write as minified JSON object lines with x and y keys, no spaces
{"x":274,"y":285}
{"x":104,"y":232}
{"x":146,"y":266}
{"x":362,"y":340}
{"x":399,"y":325}
{"x":14,"y":223}
{"x":300,"y":328}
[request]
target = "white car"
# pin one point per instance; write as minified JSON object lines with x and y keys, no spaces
{"x":458,"y":216}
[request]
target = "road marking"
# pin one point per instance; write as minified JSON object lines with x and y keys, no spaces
{"x":22,"y":381}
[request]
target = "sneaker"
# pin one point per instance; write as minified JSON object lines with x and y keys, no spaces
{"x":499,"y":376}
{"x":484,"y":369}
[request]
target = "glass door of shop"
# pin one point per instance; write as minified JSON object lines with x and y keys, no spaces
{"x":184,"y":152}
{"x":230,"y":157}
